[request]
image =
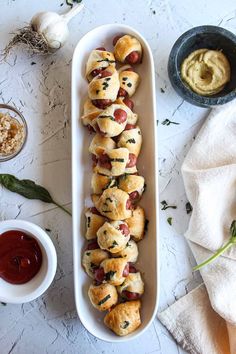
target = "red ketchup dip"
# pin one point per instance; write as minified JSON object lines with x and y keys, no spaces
{"x":20,"y":257}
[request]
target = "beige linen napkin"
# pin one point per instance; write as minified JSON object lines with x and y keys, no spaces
{"x":200,"y":319}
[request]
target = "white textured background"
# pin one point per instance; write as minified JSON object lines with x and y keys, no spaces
{"x":40,"y":88}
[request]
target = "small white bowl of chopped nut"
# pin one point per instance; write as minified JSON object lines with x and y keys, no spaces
{"x":13,"y":132}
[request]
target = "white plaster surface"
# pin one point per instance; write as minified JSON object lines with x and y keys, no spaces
{"x":40,"y":88}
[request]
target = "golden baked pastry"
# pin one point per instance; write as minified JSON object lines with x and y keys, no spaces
{"x":136,"y":224}
{"x":101,"y":88}
{"x":129,"y":80}
{"x":97,"y":61}
{"x":113,"y":163}
{"x":124,"y":318}
{"x":131,"y":183}
{"x":113,"y":270}
{"x":90,"y":113}
{"x":100,"y":182}
{"x":101,"y":144}
{"x":113,"y":236}
{"x":113,"y":119}
{"x":133,"y":286}
{"x":92,"y":259}
{"x":126,"y":45}
{"x":114,"y":204}
{"x":93,"y":223}
{"x":131,"y":140}
{"x":103,"y":296}
{"x":130,"y":252}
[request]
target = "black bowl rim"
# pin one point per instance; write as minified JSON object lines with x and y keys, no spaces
{"x":186,"y":92}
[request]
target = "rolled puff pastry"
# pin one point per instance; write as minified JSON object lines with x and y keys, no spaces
{"x":130,"y":252}
{"x":113,"y":269}
{"x":111,"y":238}
{"x":106,"y":87}
{"x":136,"y":224}
{"x":100,"y":182}
{"x":98,"y":59}
{"x":90,"y":113}
{"x":93,"y":223}
{"x":131,"y":183}
{"x":124,"y":318}
{"x":132,"y":117}
{"x":118,"y":159}
{"x":107,"y":123}
{"x":131,"y":140}
{"x":103,"y":296}
{"x":92,"y":260}
{"x":101,"y":144}
{"x":129,"y":80}
{"x":125,"y":45}
{"x":112,"y":204}
{"x":133,"y":283}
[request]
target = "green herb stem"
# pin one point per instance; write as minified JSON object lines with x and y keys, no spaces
{"x":62,"y":208}
{"x":216,"y":255}
{"x":231,"y":242}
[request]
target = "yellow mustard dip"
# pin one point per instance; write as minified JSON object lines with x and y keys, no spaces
{"x":206,"y":71}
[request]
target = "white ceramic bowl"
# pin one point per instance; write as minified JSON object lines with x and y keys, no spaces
{"x":18,"y":294}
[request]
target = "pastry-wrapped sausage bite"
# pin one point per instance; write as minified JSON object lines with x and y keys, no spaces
{"x":116,"y":162}
{"x":130,"y":252}
{"x":104,"y":87}
{"x":113,"y":236}
{"x":94,"y":220}
{"x":127,"y":49}
{"x":136,"y":224}
{"x":125,"y":101}
{"x":131,"y":139}
{"x":103,"y":296}
{"x":92,"y":258}
{"x":129,"y":81}
{"x":101,"y":144}
{"x":98,"y":60}
{"x":133,"y":185}
{"x":113,"y":271}
{"x":133,"y":286}
{"x":124,"y":318}
{"x":114,"y":203}
{"x":90,"y":114}
{"x":112,"y":121}
{"x":100,"y":182}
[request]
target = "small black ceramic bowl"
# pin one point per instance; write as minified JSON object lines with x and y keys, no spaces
{"x":210,"y":37}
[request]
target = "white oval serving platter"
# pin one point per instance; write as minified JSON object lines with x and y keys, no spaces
{"x":145,"y":106}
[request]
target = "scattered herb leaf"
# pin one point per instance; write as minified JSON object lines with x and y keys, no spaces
{"x":48,"y":230}
{"x":28,"y":189}
{"x":168,"y":122}
{"x":33,"y":63}
{"x":131,"y":141}
{"x":125,"y":324}
{"x":3,"y":303}
{"x":107,"y":60}
{"x":129,"y":84}
{"x":88,"y":221}
{"x":231,"y":242}
{"x":166,"y":206}
{"x":88,"y":253}
{"x":169,"y":220}
{"x":114,"y":244}
{"x":104,"y":116}
{"x":117,"y":160}
{"x":162,"y":90}
{"x":110,"y":275}
{"x":71,"y":2}
{"x":104,"y":300}
{"x":188,"y":207}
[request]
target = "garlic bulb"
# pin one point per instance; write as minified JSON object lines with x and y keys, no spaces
{"x":46,"y":32}
{"x":53,"y":27}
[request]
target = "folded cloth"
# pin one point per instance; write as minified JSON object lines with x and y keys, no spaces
{"x":209,"y":173}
